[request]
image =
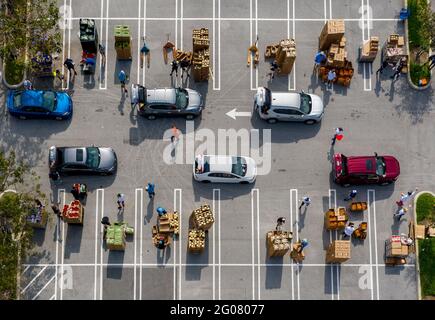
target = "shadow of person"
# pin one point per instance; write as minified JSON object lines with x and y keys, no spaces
{"x":150,"y":210}
{"x":121,"y":104}
{"x":120,"y":214}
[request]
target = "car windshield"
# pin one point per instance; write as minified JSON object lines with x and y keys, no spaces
{"x":305,"y":103}
{"x":49,"y":100}
{"x":380,"y":166}
{"x":17,"y":100}
{"x":239,"y":166}
{"x":92,"y":157}
{"x":181,"y":99}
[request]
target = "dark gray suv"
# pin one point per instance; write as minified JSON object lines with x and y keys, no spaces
{"x":166,"y":102}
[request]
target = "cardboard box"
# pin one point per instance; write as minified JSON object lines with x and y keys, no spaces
{"x":420,"y":231}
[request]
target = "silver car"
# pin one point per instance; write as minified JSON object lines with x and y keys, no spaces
{"x":288,"y":106}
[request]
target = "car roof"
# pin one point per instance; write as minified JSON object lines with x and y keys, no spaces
{"x":74,"y":155}
{"x":164,"y":95}
{"x":361,"y":164}
{"x":32,"y":98}
{"x":286,"y":99}
{"x":219,"y":163}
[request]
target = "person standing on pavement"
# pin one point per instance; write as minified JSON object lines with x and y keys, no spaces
{"x":174,"y":133}
{"x":56,"y":210}
{"x":185,"y":66}
{"x":398,"y":69}
{"x":55,"y":176}
{"x":279,"y":223}
{"x":351,"y":196}
{"x":174,"y":67}
{"x":27,"y":85}
{"x":122,"y":76}
{"x":348,"y":231}
{"x":120,"y":201}
{"x":319,"y":59}
{"x":150,"y":189}
{"x":102,"y":50}
{"x":304,"y":244}
{"x":273,"y":68}
{"x":161,"y":211}
{"x":305,"y":202}
{"x":331,"y":77}
{"x":382,"y":67}
{"x":338,"y":134}
{"x":400,"y":213}
{"x":69,"y":63}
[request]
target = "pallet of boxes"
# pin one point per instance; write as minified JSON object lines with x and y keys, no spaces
{"x":183,"y":56}
{"x":394,"y":49}
{"x":338,"y":251}
{"x":200,"y":220}
{"x":336,"y":219}
{"x":116,"y":235}
{"x":369,"y":50}
{"x":123,"y":42}
{"x":284,"y":53}
{"x":73,"y":213}
{"x":278,"y":243}
{"x":395,"y":251}
{"x":168,"y":225}
{"x":333,"y":42}
{"x":201,"y":55}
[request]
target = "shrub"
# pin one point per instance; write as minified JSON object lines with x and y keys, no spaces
{"x":14,"y":71}
{"x":426,"y":207}
{"x":419,"y":72}
{"x":419,"y":24}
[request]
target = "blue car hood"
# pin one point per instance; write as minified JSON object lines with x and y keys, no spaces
{"x":64,"y":103}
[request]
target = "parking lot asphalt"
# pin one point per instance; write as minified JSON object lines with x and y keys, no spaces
{"x":377,"y":115}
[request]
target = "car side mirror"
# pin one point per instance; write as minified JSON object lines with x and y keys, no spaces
{"x":302,"y":91}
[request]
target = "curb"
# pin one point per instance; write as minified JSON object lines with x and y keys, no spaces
{"x":408,"y":74}
{"x":12,"y":86}
{"x":417,"y":259}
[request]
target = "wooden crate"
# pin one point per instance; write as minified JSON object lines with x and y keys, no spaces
{"x":196,"y":241}
{"x":338,"y":251}
{"x":278,"y":243}
{"x":358,"y":206}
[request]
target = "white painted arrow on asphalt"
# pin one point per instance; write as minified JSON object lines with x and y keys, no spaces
{"x":233,"y":114}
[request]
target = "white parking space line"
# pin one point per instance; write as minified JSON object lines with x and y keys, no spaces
{"x":59,"y":221}
{"x":141,"y":242}
{"x":43,"y":288}
{"x":107,"y":42}
{"x":297,"y":239}
{"x":216,"y":207}
{"x":62,"y":257}
{"x":366,"y":66}
{"x":256,"y":35}
{"x":69,"y":41}
{"x":63,"y":50}
{"x":27,"y":268}
{"x":102,"y":241}
{"x":333,"y":266}
{"x":256,"y":215}
{"x":293,"y":206}
{"x":375,"y":240}
{"x":138,"y":41}
{"x":230,"y":19}
{"x":177,"y":266}
{"x":33,"y":280}
{"x":330,"y":10}
{"x":144,"y":35}
{"x":101,"y":57}
{"x":96,"y":245}
{"x":135,"y":246}
{"x":53,"y":297}
{"x":370,"y":242}
{"x":292,"y":86}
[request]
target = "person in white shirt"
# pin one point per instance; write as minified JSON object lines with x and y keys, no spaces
{"x":348,"y":231}
{"x":305,"y":201}
{"x":121,"y":200}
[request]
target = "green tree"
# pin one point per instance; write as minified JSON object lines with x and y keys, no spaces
{"x":15,"y":233}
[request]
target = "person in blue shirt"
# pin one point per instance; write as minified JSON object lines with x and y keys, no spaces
{"x":150,"y":189}
{"x":161,"y":211}
{"x":145,"y":51}
{"x":319,"y":59}
{"x":122,"y":77}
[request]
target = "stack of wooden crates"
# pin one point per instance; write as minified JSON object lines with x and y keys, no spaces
{"x":395,"y":248}
{"x":201,"y":54}
{"x":335,"y":220}
{"x":284,"y":53}
{"x":169,"y":223}
{"x":123,"y":42}
{"x":332,"y":41}
{"x":200,"y":220}
{"x":278,"y":243}
{"x":369,"y":50}
{"x":338,"y":251}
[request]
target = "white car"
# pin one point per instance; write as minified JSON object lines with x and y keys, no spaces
{"x":224,"y":169}
{"x":288,"y":106}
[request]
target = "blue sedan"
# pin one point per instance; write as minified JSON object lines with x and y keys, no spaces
{"x":39,"y":104}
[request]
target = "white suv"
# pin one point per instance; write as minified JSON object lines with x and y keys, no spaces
{"x":288,"y":106}
{"x":224,"y":169}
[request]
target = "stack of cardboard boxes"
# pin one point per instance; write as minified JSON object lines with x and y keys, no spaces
{"x":369,"y":50}
{"x":73,"y":213}
{"x":395,"y":248}
{"x":332,"y":41}
{"x":202,"y":218}
{"x":116,"y":235}
{"x":394,"y":49}
{"x":278,"y":243}
{"x":335,"y":220}
{"x":169,"y":223}
{"x":284,"y":53}
{"x":201,"y":54}
{"x":183,"y":56}
{"x":196,"y":241}
{"x":123,"y":42}
{"x":338,"y":251}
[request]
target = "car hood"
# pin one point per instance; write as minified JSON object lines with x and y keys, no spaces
{"x":195,"y":99}
{"x":392,"y":167}
{"x":251,"y":171}
{"x":316,"y":105}
{"x":108,"y":158}
{"x":64,"y":103}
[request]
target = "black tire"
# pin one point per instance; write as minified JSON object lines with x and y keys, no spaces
{"x":205,"y":181}
{"x":272,"y":120}
{"x":386,"y":183}
{"x":190,"y":117}
{"x":244,"y":182}
{"x":59,"y":118}
{"x":22,"y":117}
{"x":310,"y":122}
{"x":151,"y":117}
